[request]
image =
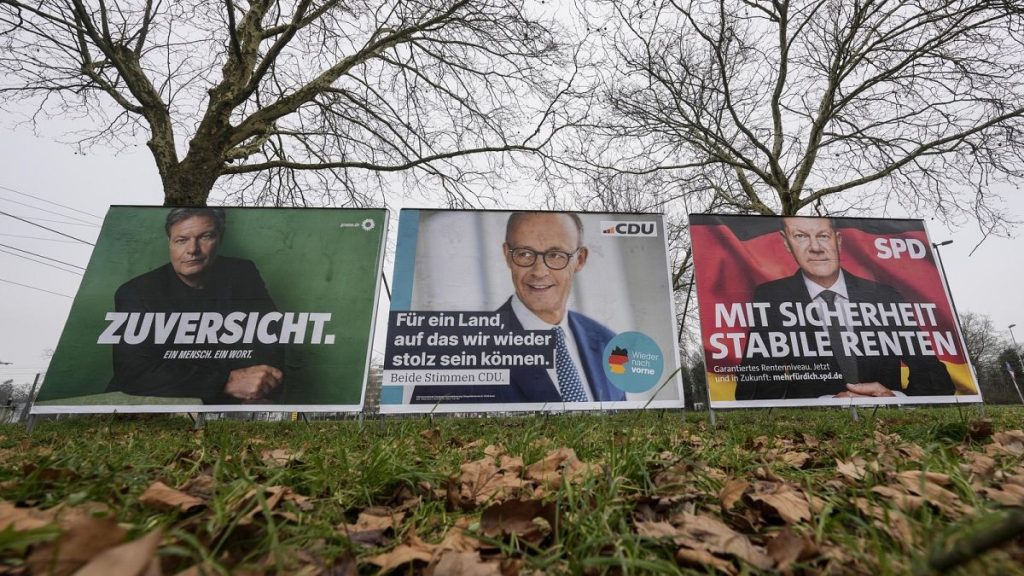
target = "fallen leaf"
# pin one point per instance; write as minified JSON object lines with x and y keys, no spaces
{"x":84,"y":537}
{"x":810,"y":441}
{"x":979,"y":466}
{"x":788,"y":547}
{"x":785,"y":500}
{"x":656,"y":529}
{"x":371,"y":525}
{"x":930,"y":486}
{"x":796,"y":459}
{"x":376,"y":518}
{"x":528,"y":520}
{"x":162,"y":497}
{"x":202,"y":487}
{"x":272,"y":497}
{"x":911,"y":452}
{"x":412,"y":550}
{"x":899,"y":497}
{"x":1010,"y":443}
{"x":1008,"y":495}
{"x":1017,"y":479}
{"x":481,"y":481}
{"x":431,"y":435}
{"x":24,"y":519}
{"x":453,"y":563}
{"x":704,"y":533}
{"x":457,"y":538}
{"x":558,"y":464}
{"x":280,"y":456}
{"x":701,"y":560}
{"x":732,"y":492}
{"x":712,"y":535}
{"x":892,"y":522}
{"x":135,"y":558}
{"x":852,"y":469}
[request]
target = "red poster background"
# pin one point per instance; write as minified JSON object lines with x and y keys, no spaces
{"x":734,"y":254}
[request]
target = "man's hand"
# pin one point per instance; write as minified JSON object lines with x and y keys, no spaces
{"x":253,"y":382}
{"x":865,"y":390}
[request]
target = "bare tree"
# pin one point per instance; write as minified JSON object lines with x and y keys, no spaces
{"x":293,"y":102}
{"x":783,"y":106}
{"x":981,"y":338}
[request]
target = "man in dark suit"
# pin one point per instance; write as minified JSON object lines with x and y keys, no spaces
{"x":197,"y":280}
{"x":815,"y":245}
{"x":544,"y":251}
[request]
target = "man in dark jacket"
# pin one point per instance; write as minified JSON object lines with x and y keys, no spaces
{"x":821,"y":283}
{"x":544,"y":251}
{"x":196,"y":284}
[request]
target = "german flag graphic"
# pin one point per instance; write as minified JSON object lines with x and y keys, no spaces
{"x":617,"y":360}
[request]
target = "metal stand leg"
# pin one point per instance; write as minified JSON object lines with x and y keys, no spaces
{"x":711,"y":418}
{"x":853,"y":414}
{"x":200,"y":421}
{"x":30,"y":423}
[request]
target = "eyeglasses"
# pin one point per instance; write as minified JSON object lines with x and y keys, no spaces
{"x":553,"y":259}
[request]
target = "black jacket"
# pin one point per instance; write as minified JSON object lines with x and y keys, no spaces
{"x":928,"y":376}
{"x":233,"y":285}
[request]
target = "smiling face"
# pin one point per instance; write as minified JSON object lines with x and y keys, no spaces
{"x":543,"y":290}
{"x":193,"y":245}
{"x":814,"y":244}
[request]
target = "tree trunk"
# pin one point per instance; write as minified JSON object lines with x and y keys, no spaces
{"x":190,"y":182}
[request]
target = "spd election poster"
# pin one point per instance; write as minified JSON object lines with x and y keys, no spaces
{"x":802,"y":311}
{"x":506,"y":311}
{"x":221,"y":309}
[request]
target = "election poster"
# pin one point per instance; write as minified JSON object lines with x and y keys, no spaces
{"x":804,"y":311}
{"x":540,"y":311}
{"x":221,"y":309}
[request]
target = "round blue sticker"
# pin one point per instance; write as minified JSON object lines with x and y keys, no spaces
{"x":633,"y":362}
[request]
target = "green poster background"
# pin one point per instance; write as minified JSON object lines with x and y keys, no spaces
{"x":311,"y":259}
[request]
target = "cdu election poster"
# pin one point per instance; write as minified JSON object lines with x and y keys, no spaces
{"x":221,"y":309}
{"x":802,"y":311}
{"x":507,"y":311}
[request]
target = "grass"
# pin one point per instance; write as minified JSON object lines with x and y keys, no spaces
{"x":646,"y":467}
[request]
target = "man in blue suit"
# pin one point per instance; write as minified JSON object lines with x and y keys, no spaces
{"x":544,"y":251}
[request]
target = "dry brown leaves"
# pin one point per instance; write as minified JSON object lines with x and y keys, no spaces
{"x":528,"y":520}
{"x":88,"y":541}
{"x":268,"y":500}
{"x":931,"y":487}
{"x":498,"y":476}
{"x":373,"y":525}
{"x":160,"y":496}
{"x":441,"y":559}
{"x":892,"y":522}
{"x":280,"y":456}
{"x":702,"y":538}
{"x":773,"y":499}
{"x":1009,"y":443}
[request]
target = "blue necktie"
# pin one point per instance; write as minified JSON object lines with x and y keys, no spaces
{"x":569,"y":383}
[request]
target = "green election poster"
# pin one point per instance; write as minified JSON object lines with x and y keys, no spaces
{"x":221,"y":309}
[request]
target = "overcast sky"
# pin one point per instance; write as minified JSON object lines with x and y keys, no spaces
{"x":36,"y":297}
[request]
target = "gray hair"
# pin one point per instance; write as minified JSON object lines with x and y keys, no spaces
{"x":516,"y":216}
{"x":181,"y":214}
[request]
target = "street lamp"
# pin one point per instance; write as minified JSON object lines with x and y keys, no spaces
{"x":1008,"y":367}
{"x":949,"y":291}
{"x":1015,"y":348}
